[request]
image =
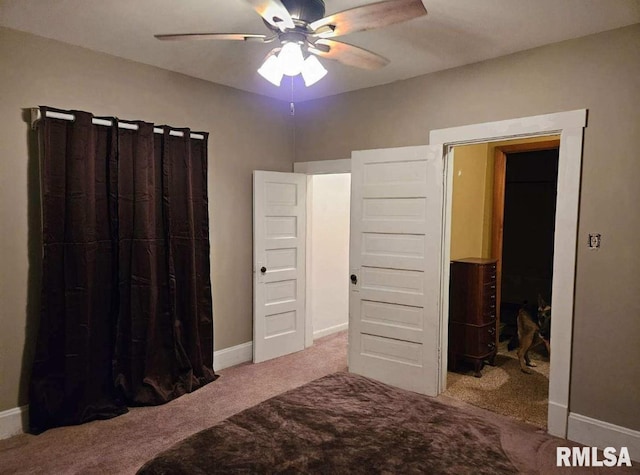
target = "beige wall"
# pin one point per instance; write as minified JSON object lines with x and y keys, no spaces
{"x":247,"y":132}
{"x":471,"y":205}
{"x":600,"y":73}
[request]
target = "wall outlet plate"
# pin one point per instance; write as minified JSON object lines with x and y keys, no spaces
{"x":594,"y":241}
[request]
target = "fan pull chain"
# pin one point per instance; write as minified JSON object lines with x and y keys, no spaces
{"x":292,"y":106}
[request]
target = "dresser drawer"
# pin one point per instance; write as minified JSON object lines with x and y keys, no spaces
{"x":475,"y":311}
{"x":488,"y":313}
{"x":489,"y":288}
{"x":489,"y":274}
{"x":472,"y":340}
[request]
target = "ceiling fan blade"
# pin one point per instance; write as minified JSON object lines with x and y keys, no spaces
{"x":215,"y":36}
{"x":274,"y":13}
{"x":368,"y":17}
{"x":348,"y":54}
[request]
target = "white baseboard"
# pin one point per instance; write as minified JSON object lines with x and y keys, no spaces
{"x":233,"y":356}
{"x":14,"y":421}
{"x":243,"y":353}
{"x":596,"y":433}
{"x":557,"y":419}
{"x":330,"y":330}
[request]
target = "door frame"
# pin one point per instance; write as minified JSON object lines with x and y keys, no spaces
{"x":318,"y":167}
{"x":570,"y":126}
{"x":497,"y":217}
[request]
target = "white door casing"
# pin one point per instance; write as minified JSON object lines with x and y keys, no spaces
{"x":279,"y":241}
{"x":570,"y":126}
{"x":395,"y":252}
{"x":318,"y":167}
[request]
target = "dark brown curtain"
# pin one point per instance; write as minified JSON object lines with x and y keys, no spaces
{"x":126,"y":296}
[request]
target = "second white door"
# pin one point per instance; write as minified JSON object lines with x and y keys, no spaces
{"x":279,"y":240}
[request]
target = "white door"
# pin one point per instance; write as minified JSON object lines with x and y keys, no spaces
{"x":279,"y":235}
{"x":395,"y":261}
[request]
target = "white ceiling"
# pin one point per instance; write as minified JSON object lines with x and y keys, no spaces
{"x":454,"y":33}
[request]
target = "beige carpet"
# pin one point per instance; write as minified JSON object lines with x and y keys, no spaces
{"x":123,"y":444}
{"x":505,"y":389}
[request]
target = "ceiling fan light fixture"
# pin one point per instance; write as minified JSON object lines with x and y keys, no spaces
{"x":271,"y":70}
{"x":312,"y":71}
{"x":298,"y":24}
{"x":291,"y":59}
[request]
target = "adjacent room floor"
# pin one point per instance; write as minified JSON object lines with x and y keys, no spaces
{"x":504,"y":388}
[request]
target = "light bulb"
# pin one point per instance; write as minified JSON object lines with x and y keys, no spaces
{"x":291,"y":59}
{"x":312,"y":71}
{"x":271,"y":70}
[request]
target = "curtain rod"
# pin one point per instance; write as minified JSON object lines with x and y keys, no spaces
{"x":36,"y":115}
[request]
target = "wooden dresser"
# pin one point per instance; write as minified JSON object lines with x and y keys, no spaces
{"x":473,"y":327}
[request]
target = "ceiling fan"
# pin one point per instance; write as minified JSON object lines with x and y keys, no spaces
{"x":303,"y":32}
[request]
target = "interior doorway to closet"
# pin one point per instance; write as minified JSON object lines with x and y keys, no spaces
{"x":502,"y":237}
{"x":328,"y":215}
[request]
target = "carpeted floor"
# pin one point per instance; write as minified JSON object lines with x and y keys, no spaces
{"x":505,"y":389}
{"x":123,"y":444}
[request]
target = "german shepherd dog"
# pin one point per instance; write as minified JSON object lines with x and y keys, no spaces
{"x":531,"y":332}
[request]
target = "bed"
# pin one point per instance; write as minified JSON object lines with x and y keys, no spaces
{"x":341,"y":423}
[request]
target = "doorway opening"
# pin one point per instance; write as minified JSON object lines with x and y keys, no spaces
{"x":502,"y":238}
{"x":328,"y":215}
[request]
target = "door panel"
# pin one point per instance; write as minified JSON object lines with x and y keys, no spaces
{"x":387,"y":250}
{"x":279,"y":228}
{"x":396,"y":248}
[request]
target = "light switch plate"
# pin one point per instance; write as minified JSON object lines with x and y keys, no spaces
{"x":594,"y":241}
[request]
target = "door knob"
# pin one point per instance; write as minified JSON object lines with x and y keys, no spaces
{"x":354,"y":279}
{"x":263,"y":269}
